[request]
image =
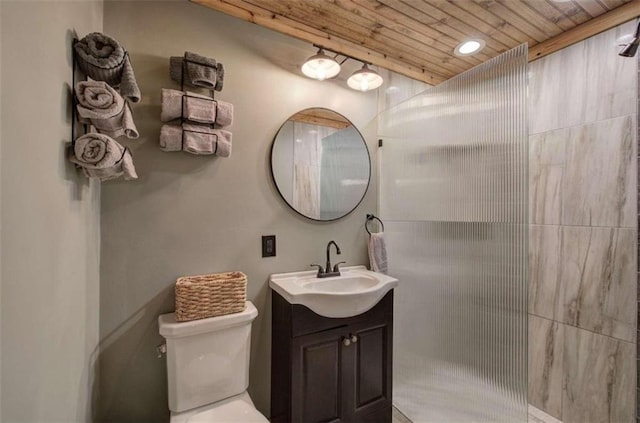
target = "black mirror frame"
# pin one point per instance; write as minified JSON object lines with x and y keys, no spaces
{"x":273,"y":177}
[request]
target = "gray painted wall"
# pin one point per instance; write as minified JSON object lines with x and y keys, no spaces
{"x":191,"y":215}
{"x":50,"y":236}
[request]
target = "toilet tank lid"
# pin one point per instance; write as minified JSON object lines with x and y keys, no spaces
{"x":171,"y":328}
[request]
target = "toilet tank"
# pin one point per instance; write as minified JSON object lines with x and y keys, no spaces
{"x":207,"y":359}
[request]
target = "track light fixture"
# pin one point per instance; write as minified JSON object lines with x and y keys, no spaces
{"x":364,"y":79}
{"x":320,"y":66}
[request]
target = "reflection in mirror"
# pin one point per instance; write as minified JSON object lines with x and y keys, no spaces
{"x":320,"y":164}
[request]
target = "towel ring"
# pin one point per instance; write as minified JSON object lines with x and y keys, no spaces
{"x":371,"y":217}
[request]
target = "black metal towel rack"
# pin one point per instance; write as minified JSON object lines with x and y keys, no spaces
{"x":371,"y":217}
{"x":74,"y":102}
{"x":183,"y":119}
{"x":184,"y":71}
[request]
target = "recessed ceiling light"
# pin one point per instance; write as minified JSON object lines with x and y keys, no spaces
{"x":469,"y":47}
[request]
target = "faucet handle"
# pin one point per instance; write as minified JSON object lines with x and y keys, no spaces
{"x":336,"y":268}
{"x":320,"y":268}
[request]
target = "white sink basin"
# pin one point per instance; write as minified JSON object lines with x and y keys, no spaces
{"x":355,"y":291}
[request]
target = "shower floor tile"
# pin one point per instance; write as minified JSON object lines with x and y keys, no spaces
{"x":398,"y":417}
{"x":535,"y":416}
{"x":538,"y":416}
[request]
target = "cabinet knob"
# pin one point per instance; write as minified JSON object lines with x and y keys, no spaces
{"x":354,"y":338}
{"x":346,"y":342}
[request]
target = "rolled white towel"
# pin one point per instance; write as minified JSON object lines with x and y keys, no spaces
{"x":196,"y":139}
{"x":97,"y":100}
{"x":101,"y":106}
{"x":192,"y":106}
{"x":203,"y":140}
{"x":378,"y":252}
{"x":100,"y":156}
{"x":102,"y":58}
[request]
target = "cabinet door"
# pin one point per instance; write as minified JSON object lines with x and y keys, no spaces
{"x":317,"y":379}
{"x":368,"y":373}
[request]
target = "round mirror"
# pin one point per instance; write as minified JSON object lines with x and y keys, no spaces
{"x":320,"y":164}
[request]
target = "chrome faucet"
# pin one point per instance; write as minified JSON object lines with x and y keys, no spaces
{"x":327,"y":271}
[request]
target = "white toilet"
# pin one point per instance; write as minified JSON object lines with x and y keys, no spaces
{"x":208,"y":368}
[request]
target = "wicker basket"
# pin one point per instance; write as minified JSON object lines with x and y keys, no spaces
{"x":202,"y":296}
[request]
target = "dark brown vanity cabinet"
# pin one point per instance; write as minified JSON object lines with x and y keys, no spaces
{"x":331,"y":370}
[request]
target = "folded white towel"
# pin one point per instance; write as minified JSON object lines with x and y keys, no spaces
{"x":204,"y":140}
{"x":224,"y":114}
{"x":101,"y":106}
{"x":195,"y":139}
{"x":194,"y":107}
{"x":378,"y":252}
{"x":100,"y":156}
{"x":171,"y":138}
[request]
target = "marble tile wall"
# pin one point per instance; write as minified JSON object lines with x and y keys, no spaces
{"x":581,"y":276}
{"x":544,"y":270}
{"x":585,"y":175}
{"x":599,"y":378}
{"x":584,"y":83}
{"x":546,"y":345}
{"x":597,"y":292}
{"x":599,"y":177}
{"x":583,"y":291}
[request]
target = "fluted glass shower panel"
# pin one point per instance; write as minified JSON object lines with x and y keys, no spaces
{"x":453,"y":197}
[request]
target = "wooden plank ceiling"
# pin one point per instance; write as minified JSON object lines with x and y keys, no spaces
{"x":417,"y":37}
{"x":323,"y":117}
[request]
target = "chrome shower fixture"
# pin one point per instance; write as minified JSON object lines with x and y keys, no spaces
{"x":630,"y":49}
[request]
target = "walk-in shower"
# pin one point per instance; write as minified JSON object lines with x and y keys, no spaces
{"x":509,"y":196}
{"x":454,"y":199}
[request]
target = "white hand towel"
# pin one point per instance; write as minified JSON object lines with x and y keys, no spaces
{"x":378,"y":252}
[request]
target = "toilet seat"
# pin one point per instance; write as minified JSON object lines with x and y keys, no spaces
{"x":237,"y":409}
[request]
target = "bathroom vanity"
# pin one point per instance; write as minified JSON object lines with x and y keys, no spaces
{"x":326,"y":369}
